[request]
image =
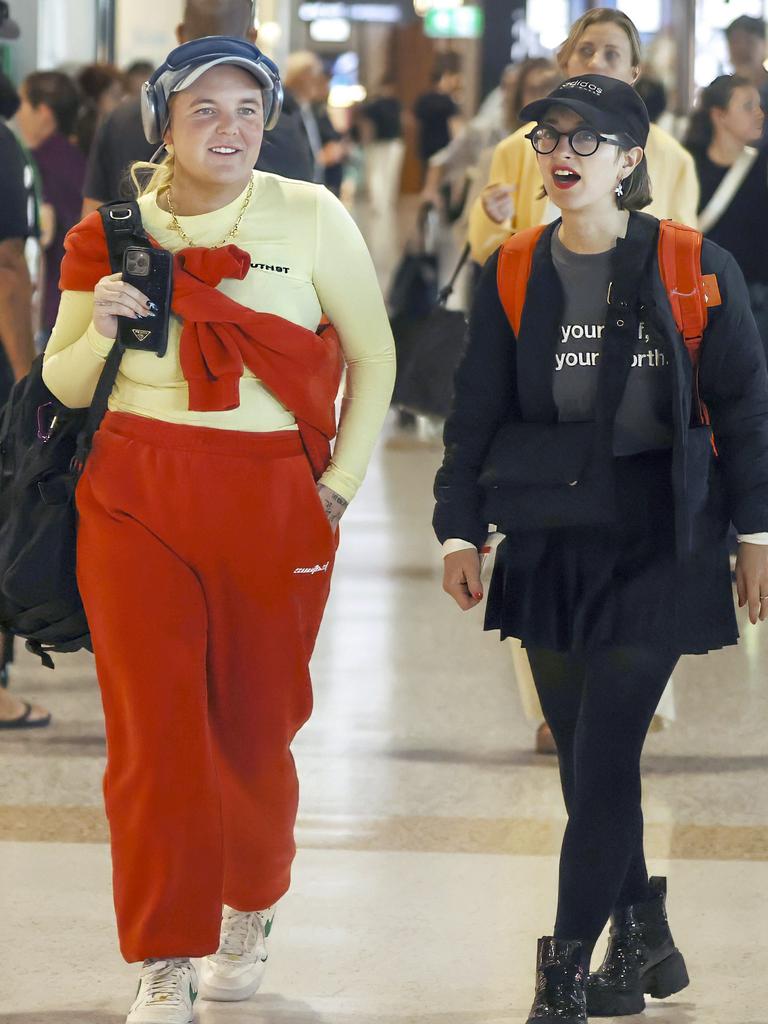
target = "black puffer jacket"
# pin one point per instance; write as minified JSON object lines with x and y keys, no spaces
{"x":503,"y":378}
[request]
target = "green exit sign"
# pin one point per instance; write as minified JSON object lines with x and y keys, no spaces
{"x":454,"y":22}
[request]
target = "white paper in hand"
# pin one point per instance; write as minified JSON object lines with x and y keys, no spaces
{"x":488,"y":554}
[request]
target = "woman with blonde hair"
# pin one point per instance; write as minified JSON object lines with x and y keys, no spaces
{"x":208,"y":514}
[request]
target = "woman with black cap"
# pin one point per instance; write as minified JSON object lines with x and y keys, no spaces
{"x":581,"y":428}
{"x":208,"y":514}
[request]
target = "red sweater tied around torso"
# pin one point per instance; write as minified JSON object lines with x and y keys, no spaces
{"x":220,"y":337}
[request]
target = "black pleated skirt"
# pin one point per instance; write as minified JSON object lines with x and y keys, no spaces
{"x":581,"y":589}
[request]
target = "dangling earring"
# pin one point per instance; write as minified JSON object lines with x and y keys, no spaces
{"x":619,"y":190}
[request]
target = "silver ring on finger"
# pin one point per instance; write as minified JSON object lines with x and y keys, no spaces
{"x":764,"y":597}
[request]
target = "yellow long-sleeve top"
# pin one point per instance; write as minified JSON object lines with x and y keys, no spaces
{"x":307,"y":259}
{"x":675,"y":188}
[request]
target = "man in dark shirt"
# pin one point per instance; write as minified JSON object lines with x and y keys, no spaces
{"x":437,"y":112}
{"x":120,"y":141}
{"x":385,"y":112}
{"x":17,"y":224}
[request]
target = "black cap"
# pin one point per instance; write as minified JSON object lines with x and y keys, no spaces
{"x":611,"y":106}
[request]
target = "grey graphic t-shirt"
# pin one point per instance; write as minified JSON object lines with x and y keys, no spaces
{"x":644,"y":418}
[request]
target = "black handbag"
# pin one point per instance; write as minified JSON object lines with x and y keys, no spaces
{"x":435,"y":346}
{"x":544,"y":476}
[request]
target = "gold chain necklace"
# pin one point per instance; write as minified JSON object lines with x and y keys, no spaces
{"x":227,"y":238}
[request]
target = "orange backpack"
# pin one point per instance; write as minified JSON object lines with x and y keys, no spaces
{"x":679,"y":254}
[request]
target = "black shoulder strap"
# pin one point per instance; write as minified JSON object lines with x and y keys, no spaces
{"x":631,"y":259}
{"x":445,"y":293}
{"x":98,"y":407}
{"x":122,"y":227}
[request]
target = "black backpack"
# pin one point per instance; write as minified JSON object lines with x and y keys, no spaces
{"x":43,"y":448}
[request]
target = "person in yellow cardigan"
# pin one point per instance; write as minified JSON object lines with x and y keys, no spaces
{"x":603,"y":41}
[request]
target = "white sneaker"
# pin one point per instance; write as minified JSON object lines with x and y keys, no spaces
{"x":236,"y":970}
{"x":167,"y":993}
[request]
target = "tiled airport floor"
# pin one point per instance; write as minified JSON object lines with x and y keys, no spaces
{"x":428,"y":829}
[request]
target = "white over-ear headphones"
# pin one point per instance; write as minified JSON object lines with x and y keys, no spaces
{"x":188,"y":62}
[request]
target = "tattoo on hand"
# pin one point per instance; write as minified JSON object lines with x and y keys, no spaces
{"x":333,"y":504}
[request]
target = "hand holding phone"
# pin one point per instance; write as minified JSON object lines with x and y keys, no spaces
{"x":112,"y":297}
{"x":148,"y":272}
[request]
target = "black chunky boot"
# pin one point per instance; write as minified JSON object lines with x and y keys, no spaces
{"x":560,"y":980}
{"x":641,"y":958}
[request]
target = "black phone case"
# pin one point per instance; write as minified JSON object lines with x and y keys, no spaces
{"x":149,"y":334}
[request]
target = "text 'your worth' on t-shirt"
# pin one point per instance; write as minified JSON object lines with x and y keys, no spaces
{"x":644,"y":418}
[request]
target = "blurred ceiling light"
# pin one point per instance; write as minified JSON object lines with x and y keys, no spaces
{"x":374,"y":12}
{"x":549,"y":22}
{"x":646,"y":14}
{"x":270,"y":34}
{"x":456,"y":23}
{"x":330,"y":30}
{"x":346,"y":95}
{"x":422,"y":7}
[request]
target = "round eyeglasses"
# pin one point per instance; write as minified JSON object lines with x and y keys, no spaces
{"x":583,"y":141}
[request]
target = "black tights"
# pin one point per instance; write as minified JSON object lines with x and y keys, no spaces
{"x":599,"y":708}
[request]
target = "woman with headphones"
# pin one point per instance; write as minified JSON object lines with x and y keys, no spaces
{"x":581,"y":427}
{"x":209,"y":514}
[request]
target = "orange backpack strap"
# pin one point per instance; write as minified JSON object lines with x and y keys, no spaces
{"x":513,"y":271}
{"x":689,"y":293}
{"x":680,"y":269}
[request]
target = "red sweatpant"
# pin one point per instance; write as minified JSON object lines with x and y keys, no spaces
{"x":204,"y":563}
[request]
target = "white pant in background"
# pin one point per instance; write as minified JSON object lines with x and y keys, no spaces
{"x":383,"y":170}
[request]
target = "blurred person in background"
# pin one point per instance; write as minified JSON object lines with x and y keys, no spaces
{"x":18,"y":223}
{"x":536,"y":77}
{"x":135,"y":75}
{"x":120,"y":140}
{"x":603,"y":41}
{"x":46,"y":121}
{"x":437,"y":111}
{"x":333,"y":152}
{"x":654,"y":95}
{"x":733,"y":175}
{"x":303,"y":80}
{"x":448,"y":169}
{"x":381,"y":126}
{"x":493,"y":108}
{"x":747,"y":50}
{"x":102,"y":87}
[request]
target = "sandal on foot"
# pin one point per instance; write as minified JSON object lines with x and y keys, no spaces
{"x":24,"y":721}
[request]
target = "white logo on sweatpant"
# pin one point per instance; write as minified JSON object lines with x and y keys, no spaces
{"x":311,"y":570}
